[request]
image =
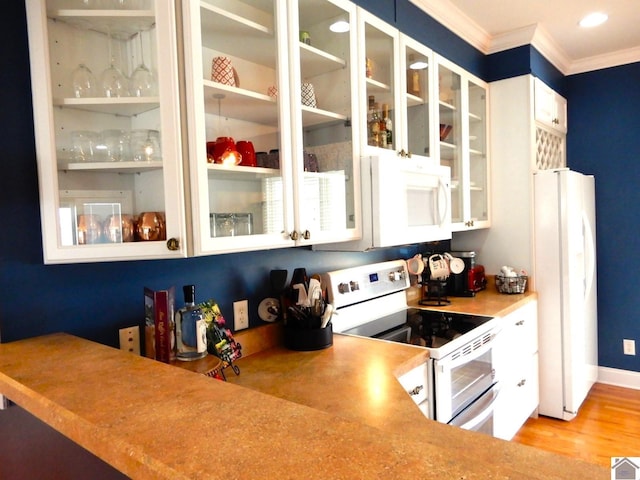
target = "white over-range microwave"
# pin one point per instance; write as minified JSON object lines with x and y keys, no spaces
{"x":404,"y":201}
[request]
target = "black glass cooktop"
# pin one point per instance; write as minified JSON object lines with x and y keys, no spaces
{"x":435,"y":329}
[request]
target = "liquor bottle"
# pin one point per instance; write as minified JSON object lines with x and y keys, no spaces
{"x":388,"y":125}
{"x":191,"y":329}
{"x":382,"y":129}
{"x":373,"y":123}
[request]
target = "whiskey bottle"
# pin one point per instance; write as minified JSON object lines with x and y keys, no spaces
{"x":191,"y":329}
{"x":388,"y":126}
{"x":373,"y":123}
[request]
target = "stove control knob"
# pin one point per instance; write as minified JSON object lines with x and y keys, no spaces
{"x":354,"y":286}
{"x":343,"y":288}
{"x":395,"y":276}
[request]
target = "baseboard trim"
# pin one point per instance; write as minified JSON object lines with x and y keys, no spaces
{"x":620,"y":378}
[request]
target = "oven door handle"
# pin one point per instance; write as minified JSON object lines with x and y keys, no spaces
{"x":485,"y":413}
{"x":448,"y":364}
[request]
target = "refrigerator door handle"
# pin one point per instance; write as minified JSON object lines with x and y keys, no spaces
{"x":590,"y":260}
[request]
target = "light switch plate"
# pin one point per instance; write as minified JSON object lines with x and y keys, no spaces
{"x":130,"y":339}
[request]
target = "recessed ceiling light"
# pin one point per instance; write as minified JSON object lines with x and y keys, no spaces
{"x":419,"y":65}
{"x":594,"y":19}
{"x":340,"y":26}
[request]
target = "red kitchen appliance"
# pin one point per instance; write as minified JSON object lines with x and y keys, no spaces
{"x":470,"y":280}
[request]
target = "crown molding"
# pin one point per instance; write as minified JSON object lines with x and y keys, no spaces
{"x":451,"y":17}
{"x":598,"y":62}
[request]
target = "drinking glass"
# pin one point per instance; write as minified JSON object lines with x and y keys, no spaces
{"x":84,"y":144}
{"x":145,"y":145}
{"x":116,"y":145}
{"x":112,"y":81}
{"x":142,"y":82}
{"x":84,"y":82}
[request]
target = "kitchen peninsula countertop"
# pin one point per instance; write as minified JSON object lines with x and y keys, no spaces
{"x":151,"y":420}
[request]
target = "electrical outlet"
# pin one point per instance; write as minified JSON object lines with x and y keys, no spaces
{"x":240,"y":315}
{"x":629,"y":346}
{"x":130,"y":339}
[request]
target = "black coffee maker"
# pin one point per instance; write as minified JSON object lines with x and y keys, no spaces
{"x":466,"y":283}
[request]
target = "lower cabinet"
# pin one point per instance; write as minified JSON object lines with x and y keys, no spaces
{"x":415,"y":383}
{"x":516,"y":356}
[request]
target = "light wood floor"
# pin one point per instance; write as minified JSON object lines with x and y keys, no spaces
{"x":607,"y":425}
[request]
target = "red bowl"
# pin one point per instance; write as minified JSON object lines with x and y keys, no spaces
{"x":445,"y":130}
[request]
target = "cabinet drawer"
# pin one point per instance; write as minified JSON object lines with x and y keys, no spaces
{"x":415,"y":384}
{"x":519,"y":397}
{"x":521,"y":330}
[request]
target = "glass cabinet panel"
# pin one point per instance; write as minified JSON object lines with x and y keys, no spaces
{"x":451,"y":135}
{"x":416,"y":98}
{"x":323,"y":106}
{"x":108,"y":154}
{"x":381,"y":72}
{"x":478,"y":152}
{"x":235,"y":89}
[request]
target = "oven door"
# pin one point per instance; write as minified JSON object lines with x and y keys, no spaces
{"x":479,"y":415}
{"x":463,"y":376}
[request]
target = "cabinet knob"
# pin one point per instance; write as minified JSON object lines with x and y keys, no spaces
{"x":173,"y":244}
{"x":469,"y":223}
{"x":294,"y":235}
{"x":402,"y":153}
{"x":520,"y":323}
{"x":306,"y":234}
{"x":522,"y":382}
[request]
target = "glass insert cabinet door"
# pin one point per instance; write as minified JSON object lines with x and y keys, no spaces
{"x":106,"y":116}
{"x":478,"y":158}
{"x":322,"y":48}
{"x":237,"y":89}
{"x":451,"y":134}
{"x":417,"y":123}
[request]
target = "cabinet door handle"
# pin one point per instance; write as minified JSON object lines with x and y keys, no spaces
{"x":520,"y":323}
{"x":469,"y":223}
{"x":522,"y":382}
{"x":416,"y":390}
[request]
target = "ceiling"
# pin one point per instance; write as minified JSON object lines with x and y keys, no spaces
{"x":550,"y":26}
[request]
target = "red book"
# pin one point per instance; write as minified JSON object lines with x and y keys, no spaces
{"x":159,"y":309}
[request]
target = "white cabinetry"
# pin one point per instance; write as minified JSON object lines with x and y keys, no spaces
{"x":463,"y":145}
{"x":301,"y":189}
{"x":106,"y":156}
{"x":415,"y":384}
{"x":516,"y":355}
{"x":550,"y":107}
{"x":396,"y":74}
{"x":520,"y":145}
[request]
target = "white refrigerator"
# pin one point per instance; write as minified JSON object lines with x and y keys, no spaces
{"x":565,"y":278}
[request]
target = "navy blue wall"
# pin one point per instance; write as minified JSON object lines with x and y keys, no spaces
{"x":93,"y":300}
{"x":603,"y":139}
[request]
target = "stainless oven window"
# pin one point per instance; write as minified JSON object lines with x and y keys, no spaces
{"x":470,"y":380}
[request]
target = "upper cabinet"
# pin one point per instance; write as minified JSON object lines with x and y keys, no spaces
{"x":107,"y":127}
{"x":550,"y":107}
{"x":395,"y":91}
{"x":463,"y":145}
{"x":269,"y":106}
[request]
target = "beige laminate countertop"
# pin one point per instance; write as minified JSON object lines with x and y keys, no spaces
{"x":339,"y":420}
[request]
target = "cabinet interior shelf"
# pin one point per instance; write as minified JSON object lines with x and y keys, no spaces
{"x":127,"y":22}
{"x":112,"y":167}
{"x":226,"y":31}
{"x":475,"y":118}
{"x":414,"y":100}
{"x":240,"y":103}
{"x":314,"y":116}
{"x":447,"y":105}
{"x":125,"y":106}
{"x":375,"y":86}
{"x":239,"y":172}
{"x":316,"y":62}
